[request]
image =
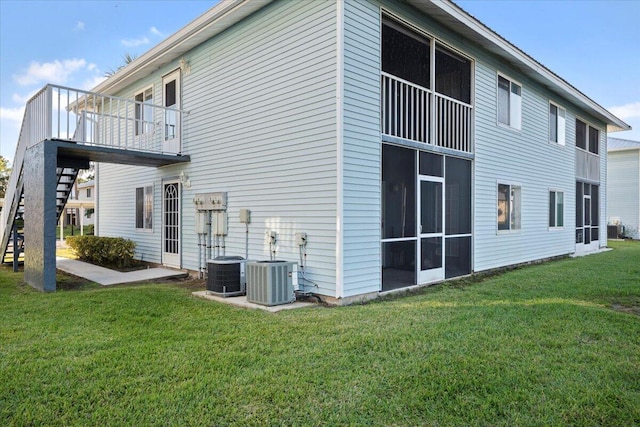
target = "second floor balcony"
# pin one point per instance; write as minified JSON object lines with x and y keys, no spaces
{"x":425,"y":90}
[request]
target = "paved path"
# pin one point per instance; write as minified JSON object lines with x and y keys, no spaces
{"x":104,"y":276}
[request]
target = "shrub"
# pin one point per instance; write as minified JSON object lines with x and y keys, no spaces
{"x":109,"y":251}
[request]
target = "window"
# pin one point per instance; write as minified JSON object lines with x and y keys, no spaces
{"x":508,"y":207}
{"x":453,"y":75}
{"x":405,"y":54}
{"x":594,"y":139}
{"x":144,"y":112}
{"x":88,"y":193}
{"x":556,"y":209}
{"x":587,"y":137}
{"x":509,"y":103}
{"x":556,"y":124}
{"x":144,"y":207}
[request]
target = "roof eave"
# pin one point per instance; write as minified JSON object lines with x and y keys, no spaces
{"x":215,"y":20}
{"x":453,"y":16}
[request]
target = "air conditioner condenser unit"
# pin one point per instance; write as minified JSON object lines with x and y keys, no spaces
{"x":270,"y":282}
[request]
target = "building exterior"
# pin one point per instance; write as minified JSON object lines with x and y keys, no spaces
{"x":623,"y":185}
{"x":408,"y":141}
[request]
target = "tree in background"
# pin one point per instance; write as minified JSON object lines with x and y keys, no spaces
{"x":5,"y":173}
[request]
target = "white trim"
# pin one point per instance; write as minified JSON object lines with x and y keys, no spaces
{"x":561,"y":126}
{"x":144,"y":229}
{"x":460,"y":21}
{"x":511,"y":81}
{"x":556,"y":227}
{"x":340,"y":149}
{"x":510,"y":184}
{"x":171,"y":260}
{"x":596,"y":127}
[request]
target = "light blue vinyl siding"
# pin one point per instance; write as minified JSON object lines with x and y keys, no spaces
{"x":525,"y":158}
{"x":261,"y":127}
{"x":623,"y":188}
{"x":361,"y":149}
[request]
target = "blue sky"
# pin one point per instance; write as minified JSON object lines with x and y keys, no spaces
{"x":595,"y":45}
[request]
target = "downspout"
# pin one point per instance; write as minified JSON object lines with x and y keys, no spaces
{"x":339,"y":148}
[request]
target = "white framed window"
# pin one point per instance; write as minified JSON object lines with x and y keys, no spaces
{"x":587,"y":137}
{"x":144,"y":208}
{"x":509,"y":102}
{"x":144,"y":112}
{"x":509,"y":212}
{"x":556,"y":209}
{"x":557,"y":120}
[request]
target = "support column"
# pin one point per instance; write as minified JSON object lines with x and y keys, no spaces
{"x":40,"y":182}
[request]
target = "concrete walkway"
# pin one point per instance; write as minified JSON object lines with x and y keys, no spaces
{"x":104,"y":276}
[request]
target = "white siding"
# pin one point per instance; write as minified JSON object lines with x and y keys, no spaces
{"x":362,"y":149}
{"x":623,"y":188}
{"x":261,"y":127}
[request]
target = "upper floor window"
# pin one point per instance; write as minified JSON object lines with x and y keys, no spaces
{"x":406,"y":54}
{"x":587,"y":137}
{"x":88,"y":193}
{"x":509,"y":103}
{"x":509,"y":212}
{"x":144,"y":111}
{"x":557,"y":124}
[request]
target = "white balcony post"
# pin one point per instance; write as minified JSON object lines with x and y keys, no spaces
{"x":48,"y":113}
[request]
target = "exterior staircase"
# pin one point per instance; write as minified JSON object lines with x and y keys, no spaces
{"x":63,"y":129}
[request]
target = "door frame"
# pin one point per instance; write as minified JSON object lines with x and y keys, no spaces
{"x":172,"y":145}
{"x":433,"y":274}
{"x":171,"y":259}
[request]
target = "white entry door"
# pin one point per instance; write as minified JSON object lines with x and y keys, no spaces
{"x":171,"y":224}
{"x":172,"y":117}
{"x":431,"y":229}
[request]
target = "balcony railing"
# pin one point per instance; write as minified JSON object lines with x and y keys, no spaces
{"x":89,"y":118}
{"x":415,"y":113}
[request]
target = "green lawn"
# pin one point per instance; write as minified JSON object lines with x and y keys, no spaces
{"x":535,"y":346}
{"x":74,"y":230}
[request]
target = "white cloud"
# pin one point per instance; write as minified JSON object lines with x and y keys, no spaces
{"x":626,"y":111}
{"x":14,"y":115}
{"x":135,"y":42}
{"x":156,"y":32}
{"x":80,"y":26}
{"x":92,"y":82}
{"x":50,"y":72}
{"x":23,"y":99}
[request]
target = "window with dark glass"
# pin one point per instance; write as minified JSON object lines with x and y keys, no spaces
{"x":508,"y":207}
{"x":457,"y":196}
{"x":398,"y":192}
{"x":405,"y":54}
{"x":581,"y":134}
{"x":144,"y":207}
{"x":556,"y":209}
{"x":594,"y":140}
{"x":509,"y":103}
{"x":453,"y":75}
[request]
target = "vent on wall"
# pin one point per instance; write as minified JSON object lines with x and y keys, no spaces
{"x":270,"y":282}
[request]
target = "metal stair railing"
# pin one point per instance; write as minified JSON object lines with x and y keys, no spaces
{"x":86,"y":118}
{"x":35,"y":127}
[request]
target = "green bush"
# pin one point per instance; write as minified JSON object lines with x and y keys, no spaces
{"x":108,"y":251}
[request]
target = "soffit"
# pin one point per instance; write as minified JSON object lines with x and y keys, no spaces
{"x":214,"y":21}
{"x":455,"y":18}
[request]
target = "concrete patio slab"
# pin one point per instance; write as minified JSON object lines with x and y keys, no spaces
{"x":241,"y":301}
{"x":105,"y":276}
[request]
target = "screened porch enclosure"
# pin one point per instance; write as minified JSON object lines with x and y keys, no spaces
{"x":425,"y":90}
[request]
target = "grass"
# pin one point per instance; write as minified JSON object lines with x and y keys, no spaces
{"x":73,"y":230}
{"x":539,"y":345}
